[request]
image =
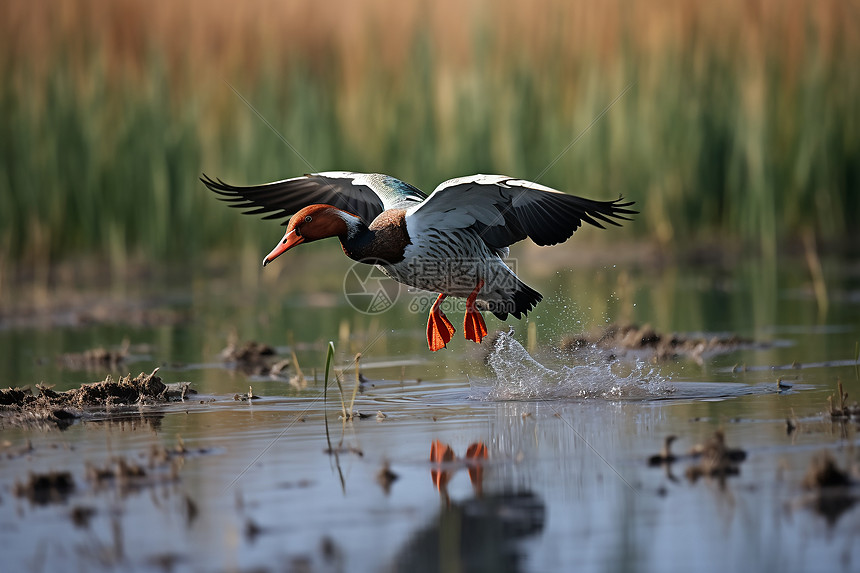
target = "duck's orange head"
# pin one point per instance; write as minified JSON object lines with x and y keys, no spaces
{"x":311,"y":224}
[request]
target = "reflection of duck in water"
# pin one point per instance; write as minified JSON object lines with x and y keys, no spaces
{"x":479,"y":534}
{"x":452,"y":242}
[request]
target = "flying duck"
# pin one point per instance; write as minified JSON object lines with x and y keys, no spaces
{"x":452,"y":242}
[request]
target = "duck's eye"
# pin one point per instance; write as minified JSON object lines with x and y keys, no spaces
{"x":308,"y":219}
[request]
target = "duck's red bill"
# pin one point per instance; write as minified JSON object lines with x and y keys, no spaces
{"x":290,"y":240}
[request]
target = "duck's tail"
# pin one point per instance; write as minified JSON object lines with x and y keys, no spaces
{"x":523,"y":299}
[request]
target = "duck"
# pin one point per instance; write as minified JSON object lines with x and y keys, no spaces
{"x":452,"y":243}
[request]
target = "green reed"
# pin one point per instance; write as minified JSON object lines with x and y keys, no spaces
{"x":708,"y":146}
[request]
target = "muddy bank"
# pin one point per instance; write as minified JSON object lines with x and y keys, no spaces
{"x":20,"y":406}
{"x":713,"y":458}
{"x":831,"y":489}
{"x":95,"y":358}
{"x":64,"y":306}
{"x":121,"y":474}
{"x":254,"y":358}
{"x":42,"y":489}
{"x":623,"y":338}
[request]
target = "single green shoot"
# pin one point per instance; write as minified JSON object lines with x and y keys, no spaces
{"x":328,"y":361}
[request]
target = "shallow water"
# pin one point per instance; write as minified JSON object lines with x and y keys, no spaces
{"x":565,"y":485}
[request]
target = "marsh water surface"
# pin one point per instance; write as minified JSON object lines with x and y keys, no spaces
{"x":565,"y":484}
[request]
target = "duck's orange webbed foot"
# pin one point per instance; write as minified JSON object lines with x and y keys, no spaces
{"x":439,"y":328}
{"x":473,"y":323}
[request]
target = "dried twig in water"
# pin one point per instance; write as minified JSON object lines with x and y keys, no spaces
{"x":299,"y":380}
{"x":844,"y":410}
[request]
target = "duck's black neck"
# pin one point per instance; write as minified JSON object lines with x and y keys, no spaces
{"x":359,"y":246}
{"x":383,"y":242}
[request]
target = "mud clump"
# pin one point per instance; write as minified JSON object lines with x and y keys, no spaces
{"x":665,"y":457}
{"x":251,"y":351}
{"x":81,"y":516}
{"x":254,"y":358}
{"x":824,"y":473}
{"x":716,"y":459}
{"x":13,"y":396}
{"x":19,"y":406}
{"x":634,"y":338}
{"x":126,"y":390}
{"x":12,"y":452}
{"x":162,"y":467}
{"x":124,"y":474}
{"x":121,"y":470}
{"x":713,"y":459}
{"x":830,"y":488}
{"x":42,"y":489}
{"x":385,"y":477}
{"x":94,"y":359}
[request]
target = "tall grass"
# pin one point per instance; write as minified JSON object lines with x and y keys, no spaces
{"x":742,"y":122}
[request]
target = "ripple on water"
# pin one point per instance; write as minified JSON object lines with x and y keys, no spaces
{"x":520,"y":377}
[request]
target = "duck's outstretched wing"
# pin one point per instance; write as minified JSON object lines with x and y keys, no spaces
{"x":363,"y":194}
{"x":505,"y":210}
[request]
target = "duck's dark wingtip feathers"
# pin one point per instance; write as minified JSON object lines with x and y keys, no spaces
{"x":619,"y":207}
{"x":208,"y":181}
{"x":617,"y":210}
{"x":219,"y":187}
{"x":586,"y":217}
{"x":524,"y":299}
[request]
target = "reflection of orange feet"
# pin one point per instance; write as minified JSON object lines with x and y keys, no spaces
{"x":439,"y":328}
{"x":476,"y":453}
{"x":443,"y":454}
{"x":474,"y":326}
{"x":440,"y":453}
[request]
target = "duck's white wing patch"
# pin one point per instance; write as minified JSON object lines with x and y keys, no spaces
{"x":393,"y":192}
{"x":479,"y":179}
{"x":505,"y":210}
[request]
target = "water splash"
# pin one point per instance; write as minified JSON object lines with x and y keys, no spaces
{"x":520,"y":377}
